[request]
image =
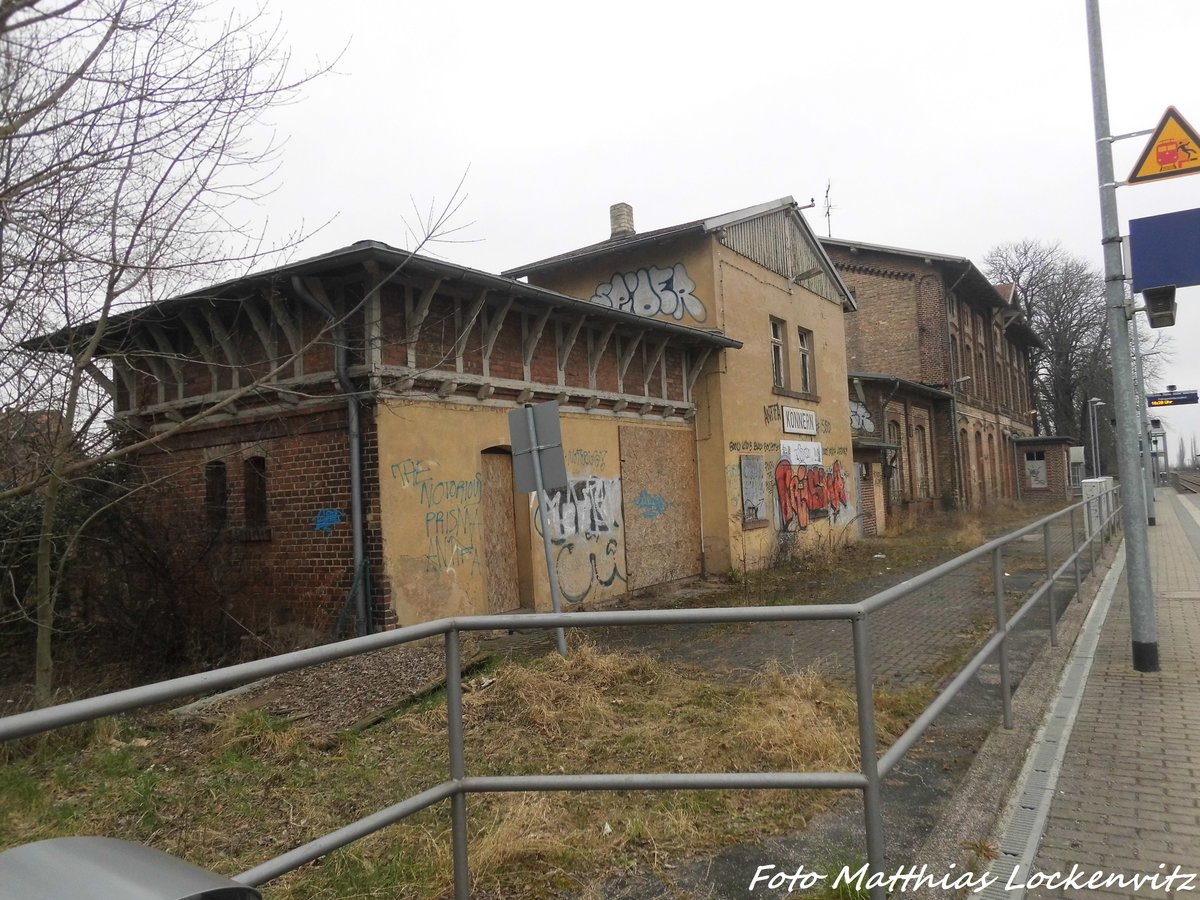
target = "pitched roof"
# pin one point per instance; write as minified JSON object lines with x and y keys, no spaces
{"x":612,"y":245}
{"x":708,"y":225}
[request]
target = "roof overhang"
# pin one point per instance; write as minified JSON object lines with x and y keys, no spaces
{"x":390,"y":262}
{"x":1048,"y":439}
{"x":915,"y":387}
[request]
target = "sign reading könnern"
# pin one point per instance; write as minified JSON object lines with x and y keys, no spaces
{"x":799,"y":421}
{"x":1173,"y":398}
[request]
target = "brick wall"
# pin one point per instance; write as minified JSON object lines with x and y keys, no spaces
{"x":1058,"y":471}
{"x":883,"y":335}
{"x":296,"y":567}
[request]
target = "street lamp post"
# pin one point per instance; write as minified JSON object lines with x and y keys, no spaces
{"x":1092,"y":404}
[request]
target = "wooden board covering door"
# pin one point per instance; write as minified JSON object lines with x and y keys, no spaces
{"x":661,"y":504}
{"x":499,"y":533}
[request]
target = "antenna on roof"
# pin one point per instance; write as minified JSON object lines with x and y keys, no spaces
{"x":828,"y":207}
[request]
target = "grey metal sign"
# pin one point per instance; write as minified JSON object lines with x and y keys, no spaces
{"x":539,"y":465}
{"x":545,"y":439}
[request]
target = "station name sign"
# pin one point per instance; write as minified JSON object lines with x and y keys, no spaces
{"x":799,"y":421}
{"x":1173,"y":398}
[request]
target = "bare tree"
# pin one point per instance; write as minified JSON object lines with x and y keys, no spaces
{"x":1062,"y":296}
{"x":1063,"y":300}
{"x":130,"y":129}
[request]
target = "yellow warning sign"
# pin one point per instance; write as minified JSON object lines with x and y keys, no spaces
{"x":1174,"y":149}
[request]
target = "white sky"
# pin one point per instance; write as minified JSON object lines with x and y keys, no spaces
{"x":943,"y":125}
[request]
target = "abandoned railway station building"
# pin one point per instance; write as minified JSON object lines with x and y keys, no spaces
{"x":939,"y":377}
{"x":354,"y":464}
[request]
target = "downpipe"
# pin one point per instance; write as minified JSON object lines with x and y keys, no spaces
{"x":353,"y":419}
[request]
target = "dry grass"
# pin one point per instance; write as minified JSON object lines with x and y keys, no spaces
{"x":231,"y":795}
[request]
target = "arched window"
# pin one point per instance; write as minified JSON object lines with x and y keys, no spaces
{"x":964,"y":461}
{"x":920,"y":461}
{"x":895,"y":471}
{"x":981,"y":491}
{"x":995,"y":466}
{"x":216,"y":494}
{"x":255,"y":491}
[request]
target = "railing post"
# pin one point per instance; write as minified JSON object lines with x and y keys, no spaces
{"x":1001,"y":628}
{"x":1050,"y":585}
{"x":458,"y":765}
{"x":1091,"y":530}
{"x":872,"y":793}
{"x":1075,"y":553}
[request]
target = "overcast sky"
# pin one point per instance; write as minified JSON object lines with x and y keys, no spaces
{"x":941,"y":125}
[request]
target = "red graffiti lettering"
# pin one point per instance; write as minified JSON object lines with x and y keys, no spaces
{"x":808,"y":492}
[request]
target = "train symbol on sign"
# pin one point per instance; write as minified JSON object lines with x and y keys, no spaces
{"x":1171,"y":153}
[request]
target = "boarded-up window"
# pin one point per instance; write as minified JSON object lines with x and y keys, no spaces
{"x":216,"y":494}
{"x":255,"y":475}
{"x":754,"y":491}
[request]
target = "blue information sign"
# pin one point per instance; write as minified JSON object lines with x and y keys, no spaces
{"x":1165,"y":250}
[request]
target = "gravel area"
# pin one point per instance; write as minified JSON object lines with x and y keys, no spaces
{"x":340,"y":694}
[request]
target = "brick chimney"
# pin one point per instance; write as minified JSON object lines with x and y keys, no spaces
{"x":620,"y":215}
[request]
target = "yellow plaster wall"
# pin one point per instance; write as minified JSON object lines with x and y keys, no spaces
{"x":750,"y":420}
{"x":643,"y":269}
{"x":433,"y":545}
{"x":738,"y":411}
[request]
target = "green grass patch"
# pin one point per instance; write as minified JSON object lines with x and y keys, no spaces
{"x":231,"y":795}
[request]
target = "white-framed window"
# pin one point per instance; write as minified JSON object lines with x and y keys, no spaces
{"x":804,"y":341}
{"x":778,"y":354}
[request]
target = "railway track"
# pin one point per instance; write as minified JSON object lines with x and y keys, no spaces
{"x":1188,"y":481}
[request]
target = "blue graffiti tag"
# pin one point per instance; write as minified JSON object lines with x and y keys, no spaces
{"x":328,"y":519}
{"x":651,"y":505}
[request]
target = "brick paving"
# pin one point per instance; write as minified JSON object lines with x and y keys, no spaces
{"x":1128,"y":795}
{"x":909,"y":638}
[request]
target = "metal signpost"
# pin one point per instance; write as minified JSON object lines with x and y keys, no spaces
{"x":1144,"y":442}
{"x":539,"y":465}
{"x":1143,"y":625}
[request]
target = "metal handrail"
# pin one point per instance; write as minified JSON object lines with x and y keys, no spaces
{"x":456,"y":788}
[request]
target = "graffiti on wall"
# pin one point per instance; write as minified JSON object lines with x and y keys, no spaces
{"x":585,"y":520}
{"x":860,"y":417}
{"x":452,"y":514}
{"x":802,"y":453}
{"x":807,"y":492}
{"x":328,"y":519}
{"x":754,"y":446}
{"x":587,"y":459}
{"x":651,"y":505}
{"x":653,"y":291}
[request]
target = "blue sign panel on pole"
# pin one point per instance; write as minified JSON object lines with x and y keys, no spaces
{"x":1165,"y":250}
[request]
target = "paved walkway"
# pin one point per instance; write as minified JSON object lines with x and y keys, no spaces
{"x":1127,"y":799}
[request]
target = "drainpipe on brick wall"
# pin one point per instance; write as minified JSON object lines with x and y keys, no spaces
{"x":353,"y":426}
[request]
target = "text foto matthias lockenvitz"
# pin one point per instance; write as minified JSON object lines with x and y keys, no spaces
{"x":914,"y":878}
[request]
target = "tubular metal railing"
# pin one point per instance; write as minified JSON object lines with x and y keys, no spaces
{"x":1102,"y":521}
